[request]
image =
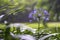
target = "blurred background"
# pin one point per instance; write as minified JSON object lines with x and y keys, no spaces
{"x":42,"y":15}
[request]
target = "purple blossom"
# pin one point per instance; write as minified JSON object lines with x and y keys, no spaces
{"x":46,"y":12}
{"x":46,"y":15}
{"x":46,"y":18}
{"x":39,"y":15}
{"x":30,"y":15}
{"x":35,"y":11}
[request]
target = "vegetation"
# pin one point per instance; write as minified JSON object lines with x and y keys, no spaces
{"x":15,"y":6}
{"x":41,"y":11}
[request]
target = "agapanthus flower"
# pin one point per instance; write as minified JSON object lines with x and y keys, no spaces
{"x":46,"y":18}
{"x":46,"y":15}
{"x":39,"y":15}
{"x":46,"y":12}
{"x":31,"y":15}
{"x":34,"y":11}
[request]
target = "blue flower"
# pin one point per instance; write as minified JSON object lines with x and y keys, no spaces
{"x":46,"y":13}
{"x":31,"y":15}
{"x":35,"y":11}
{"x":46,"y":18}
{"x":39,"y":15}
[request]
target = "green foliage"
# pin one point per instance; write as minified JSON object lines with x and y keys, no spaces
{"x":42,"y":31}
{"x":13,"y":5}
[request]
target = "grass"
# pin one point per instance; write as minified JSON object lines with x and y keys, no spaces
{"x":35,"y":25}
{"x":50,"y":24}
{"x":51,"y":27}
